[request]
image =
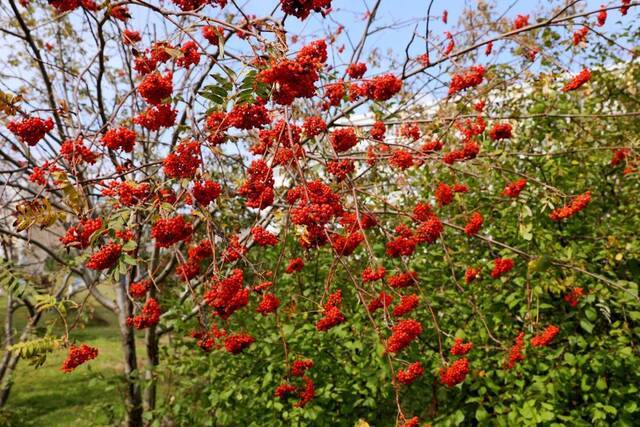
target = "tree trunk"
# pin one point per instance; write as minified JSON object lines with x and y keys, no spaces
{"x":5,"y":366}
{"x":151,"y":342}
{"x":10,"y":360}
{"x":153,"y":359}
{"x":133,"y":398}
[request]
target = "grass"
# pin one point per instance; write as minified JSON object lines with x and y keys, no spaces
{"x":88,"y":396}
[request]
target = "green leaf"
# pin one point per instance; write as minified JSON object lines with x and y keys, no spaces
{"x":586,"y":325}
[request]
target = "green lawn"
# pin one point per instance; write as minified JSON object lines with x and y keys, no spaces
{"x":88,"y":396}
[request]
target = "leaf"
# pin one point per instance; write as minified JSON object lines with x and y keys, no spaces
{"x":12,"y":280}
{"x":129,"y":246}
{"x":72,"y":198}
{"x":539,"y":264}
{"x":36,"y":212}
{"x":586,"y":325}
{"x":36,"y":350}
{"x":8,"y":103}
{"x":525,"y":231}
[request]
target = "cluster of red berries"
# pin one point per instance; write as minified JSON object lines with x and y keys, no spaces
{"x":514,"y":189}
{"x":62,"y":6}
{"x":105,"y":258}
{"x":128,"y":193}
{"x":403,"y":245}
{"x":156,"y":88}
{"x":340,"y":169}
{"x":383,"y":300}
{"x":228,"y":295}
{"x":236,"y":343}
{"x":401,"y":159}
{"x":184,"y":161}
{"x":574,"y":297}
{"x":381,"y":88}
{"x":169,"y":231}
{"x":333,"y":94}
{"x":371,"y":275}
{"x":262,"y":237}
{"x":580,"y":35}
{"x":602,"y":16}
{"x":306,"y":393}
{"x":146,"y":62}
{"x":78,"y":236}
{"x":521,"y":21}
{"x":403,"y":280}
{"x":346,"y":245}
{"x":567,"y":211}
{"x":234,"y":251}
{"x":356,"y":71}
{"x":455,"y":373}
{"x":139,"y":289}
{"x":410,"y":374}
{"x":268,"y":304}
{"x":258,"y":189}
{"x":378,"y":131}
{"x":406,"y":305}
{"x":332,"y":316}
{"x":500,"y":131}
{"x":402,"y":334}
{"x":40,"y":173}
{"x":149,"y":315}
{"x":314,"y":204}
{"x":188,"y":5}
{"x":470,"y":78}
{"x":469,"y":151}
{"x":501,"y":266}
{"x":30,"y":129}
{"x":302,"y":8}
{"x":295,"y":265}
{"x":443,"y":194}
{"x":343,"y":139}
{"x":471,"y":274}
{"x":206,"y":191}
{"x":190,"y":55}
{"x":474,"y":224}
{"x":75,"y":152}
{"x":460,"y":348}
{"x":515,"y":353}
{"x":130,"y":37}
{"x":619,"y":155}
{"x":583,"y":77}
{"x":545,"y":338}
{"x":248,"y":116}
{"x":296,"y":78}
{"x":213,"y":34}
{"x":77,"y":356}
{"x":314,"y":126}
{"x":156,"y":117}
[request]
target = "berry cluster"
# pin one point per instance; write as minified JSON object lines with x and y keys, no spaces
{"x":77,"y":356}
{"x":170,"y":231}
{"x":545,"y":338}
{"x":149,"y":315}
{"x":30,"y":129}
{"x":105,"y":258}
{"x":402,"y":334}
{"x":567,"y":211}
{"x":332,"y":316}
